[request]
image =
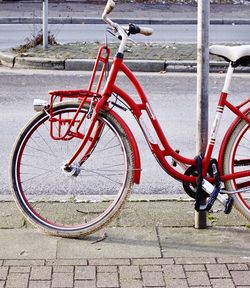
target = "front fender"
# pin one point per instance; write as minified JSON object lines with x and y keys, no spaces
{"x":134,"y":146}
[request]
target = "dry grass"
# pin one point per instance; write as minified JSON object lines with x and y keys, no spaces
{"x":35,"y":41}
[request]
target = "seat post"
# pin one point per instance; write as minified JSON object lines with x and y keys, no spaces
{"x":228,"y":78}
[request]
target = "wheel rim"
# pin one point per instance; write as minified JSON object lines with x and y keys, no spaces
{"x":105,"y":171}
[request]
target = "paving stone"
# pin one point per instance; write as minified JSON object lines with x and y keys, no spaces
{"x":10,"y":216}
{"x":152,"y":268}
{"x":204,"y":243}
{"x":176,"y":283}
{"x":194,"y":267}
{"x":63,"y":269}
{"x":198,"y":278}
{"x":152,"y":261}
{"x":241,"y":277}
{"x":39,"y":284}
{"x":235,"y":259}
{"x":131,"y":283}
{"x":85,"y":284}
{"x":66,"y":262}
{"x":154,"y":286}
{"x":109,"y":262}
{"x":2,"y":283}
{"x":173,"y":271}
{"x":153,"y":279}
{"x":62,"y":280}
{"x":41,"y":273}
{"x":103,"y":269}
{"x":24,"y":262}
{"x":3,"y":272}
{"x":218,"y":271}
{"x":17,"y":280}
{"x":107,"y":280}
{"x":237,"y":267}
{"x":85,"y":272}
{"x":219,"y":283}
{"x":26,"y":244}
{"x":19,"y":269}
{"x":194,"y":260}
{"x":129,"y":272}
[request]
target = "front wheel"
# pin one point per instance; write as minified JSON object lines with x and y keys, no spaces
{"x":63,"y":203}
{"x":237,"y":158}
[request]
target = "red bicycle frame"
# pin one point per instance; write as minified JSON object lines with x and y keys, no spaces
{"x":144,"y":114}
{"x":154,"y":134}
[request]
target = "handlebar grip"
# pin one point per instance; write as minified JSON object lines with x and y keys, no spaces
{"x":146,"y":31}
{"x":108,"y":8}
{"x":135,"y":29}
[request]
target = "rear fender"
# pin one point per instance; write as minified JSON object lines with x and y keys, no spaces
{"x":226,"y":139}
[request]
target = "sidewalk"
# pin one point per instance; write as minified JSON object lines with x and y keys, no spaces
{"x":135,"y":250}
{"x":129,"y":257}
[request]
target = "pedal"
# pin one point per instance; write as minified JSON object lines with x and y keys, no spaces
{"x":229,"y":205}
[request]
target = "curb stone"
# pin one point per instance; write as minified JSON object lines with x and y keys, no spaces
{"x":7,"y":59}
{"x":10,"y":60}
{"x":39,"y":63}
{"x":79,"y":64}
{"x":134,"y":65}
{"x":142,"y":21}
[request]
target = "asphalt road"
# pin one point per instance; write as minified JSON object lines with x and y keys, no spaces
{"x":172,"y":97}
{"x":14,"y":34}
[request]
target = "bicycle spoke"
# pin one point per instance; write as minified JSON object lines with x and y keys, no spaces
{"x":101,"y":175}
{"x":39,"y":175}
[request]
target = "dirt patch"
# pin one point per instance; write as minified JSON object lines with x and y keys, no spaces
{"x":141,"y":50}
{"x":88,"y":50}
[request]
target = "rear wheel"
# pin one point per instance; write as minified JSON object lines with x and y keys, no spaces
{"x":236,"y":159}
{"x":59,"y":201}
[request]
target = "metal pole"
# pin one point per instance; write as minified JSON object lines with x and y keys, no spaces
{"x":45,"y":24}
{"x":202,"y":90}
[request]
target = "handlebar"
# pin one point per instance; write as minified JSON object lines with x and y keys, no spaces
{"x":132,"y":29}
{"x":108,"y":8}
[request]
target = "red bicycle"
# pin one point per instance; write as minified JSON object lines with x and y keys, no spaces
{"x":74,"y":164}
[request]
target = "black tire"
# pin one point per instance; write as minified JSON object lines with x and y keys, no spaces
{"x":62,"y":204}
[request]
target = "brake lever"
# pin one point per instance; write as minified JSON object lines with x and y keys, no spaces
{"x":110,"y":31}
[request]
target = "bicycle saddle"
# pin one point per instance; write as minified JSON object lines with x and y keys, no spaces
{"x":240,"y":55}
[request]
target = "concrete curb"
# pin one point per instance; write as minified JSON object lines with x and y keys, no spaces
{"x":142,"y":21}
{"x":134,"y":65}
{"x":10,"y":60}
{"x":7,"y":59}
{"x":39,"y":63}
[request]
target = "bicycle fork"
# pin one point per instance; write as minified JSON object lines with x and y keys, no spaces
{"x":93,"y":132}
